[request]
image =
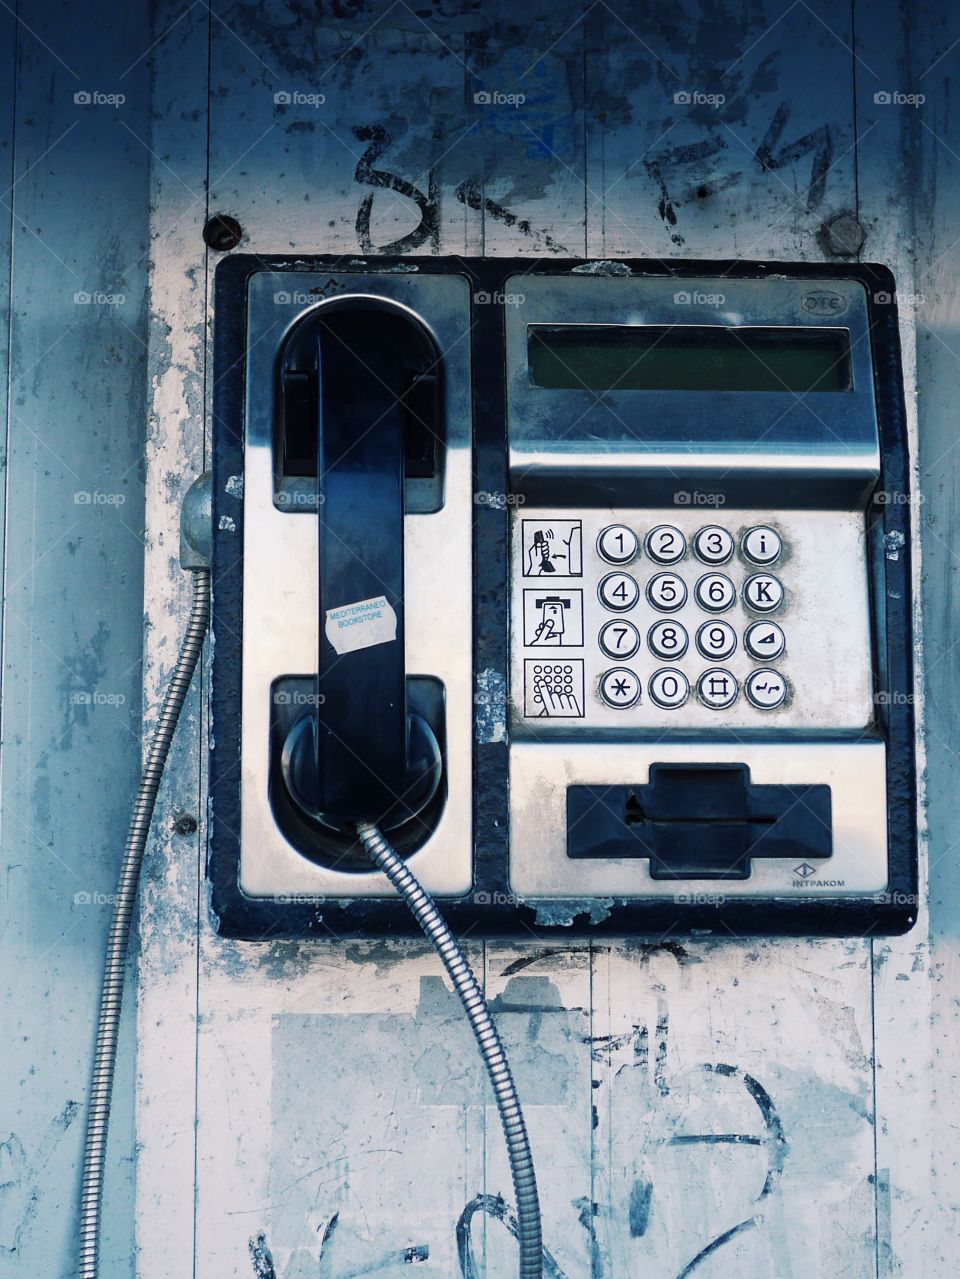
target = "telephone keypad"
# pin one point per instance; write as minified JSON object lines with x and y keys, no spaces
{"x":730,"y":632}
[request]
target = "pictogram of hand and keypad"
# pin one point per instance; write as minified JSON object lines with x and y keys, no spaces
{"x":627,"y":619}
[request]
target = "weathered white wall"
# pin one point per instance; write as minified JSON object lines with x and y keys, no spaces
{"x":315,"y":1109}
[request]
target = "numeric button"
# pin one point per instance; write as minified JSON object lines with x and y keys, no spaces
{"x":620,"y":688}
{"x":618,"y":544}
{"x":765,"y":641}
{"x":665,"y":544}
{"x":619,"y":639}
{"x":667,"y":592}
{"x":766,"y":689}
{"x":762,"y":545}
{"x":716,"y":640}
{"x":717,"y":688}
{"x":715,"y":592}
{"x":668,"y":688}
{"x":667,"y":640}
{"x":713,"y":544}
{"x":618,"y":592}
{"x":763,"y":592}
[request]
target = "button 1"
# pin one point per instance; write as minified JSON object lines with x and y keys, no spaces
{"x":619,"y":639}
{"x":715,"y":592}
{"x":766,"y":689}
{"x":669,"y":688}
{"x":667,"y":640}
{"x":713,"y":544}
{"x":619,"y":688}
{"x":618,"y":592}
{"x":618,"y":544}
{"x":665,"y":544}
{"x":764,"y":641}
{"x":667,"y":592}
{"x":716,"y":640}
{"x":763,"y":592}
{"x":761,"y":544}
{"x":717,"y":688}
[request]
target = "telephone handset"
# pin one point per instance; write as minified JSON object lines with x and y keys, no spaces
{"x":359,"y":752}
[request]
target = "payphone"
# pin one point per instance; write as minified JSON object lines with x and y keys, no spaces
{"x":589,"y":583}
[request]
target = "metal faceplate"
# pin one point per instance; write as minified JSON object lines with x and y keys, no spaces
{"x":280,"y":607}
{"x":640,"y":628}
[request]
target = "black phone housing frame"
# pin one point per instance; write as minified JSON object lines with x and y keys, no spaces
{"x":490,"y":908}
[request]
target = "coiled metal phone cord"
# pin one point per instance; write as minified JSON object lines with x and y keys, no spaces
{"x":111,"y":996}
{"x":427,"y":915}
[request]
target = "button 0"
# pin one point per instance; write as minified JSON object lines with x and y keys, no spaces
{"x":715,"y":592}
{"x":716,"y":640}
{"x":763,"y":592}
{"x":667,"y":640}
{"x":669,"y":688}
{"x":618,"y":592}
{"x":762,"y":545}
{"x":766,"y":689}
{"x":619,"y":688}
{"x":619,"y":639}
{"x":713,"y":544}
{"x":665,"y":544}
{"x":717,"y":688}
{"x":667,"y":592}
{"x":618,"y":544}
{"x":765,"y":641}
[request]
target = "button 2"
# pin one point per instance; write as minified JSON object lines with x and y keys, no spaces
{"x":667,"y":592}
{"x":766,"y":689}
{"x":762,"y":545}
{"x":713,"y":544}
{"x":717,"y":688}
{"x":618,"y":544}
{"x":619,"y":688}
{"x":715,"y":592}
{"x":665,"y":544}
{"x":619,"y":639}
{"x":764,"y":641}
{"x":618,"y":592}
{"x":763,"y":592}
{"x":669,"y":688}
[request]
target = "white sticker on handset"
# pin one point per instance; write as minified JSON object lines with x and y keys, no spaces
{"x":361,"y":625}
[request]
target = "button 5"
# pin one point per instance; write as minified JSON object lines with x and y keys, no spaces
{"x":667,"y":592}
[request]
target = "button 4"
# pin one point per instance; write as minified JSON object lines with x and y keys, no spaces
{"x":618,"y":544}
{"x":618,"y":592}
{"x":763,"y":592}
{"x":766,"y":689}
{"x":669,"y":688}
{"x":665,"y":544}
{"x":619,"y":688}
{"x":762,"y":545}
{"x":713,"y":544}
{"x":764,"y":641}
{"x":717,"y":688}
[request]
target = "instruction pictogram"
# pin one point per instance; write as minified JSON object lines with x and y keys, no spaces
{"x":552,"y":548}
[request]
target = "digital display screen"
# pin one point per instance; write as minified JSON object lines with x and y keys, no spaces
{"x":694,"y":357}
